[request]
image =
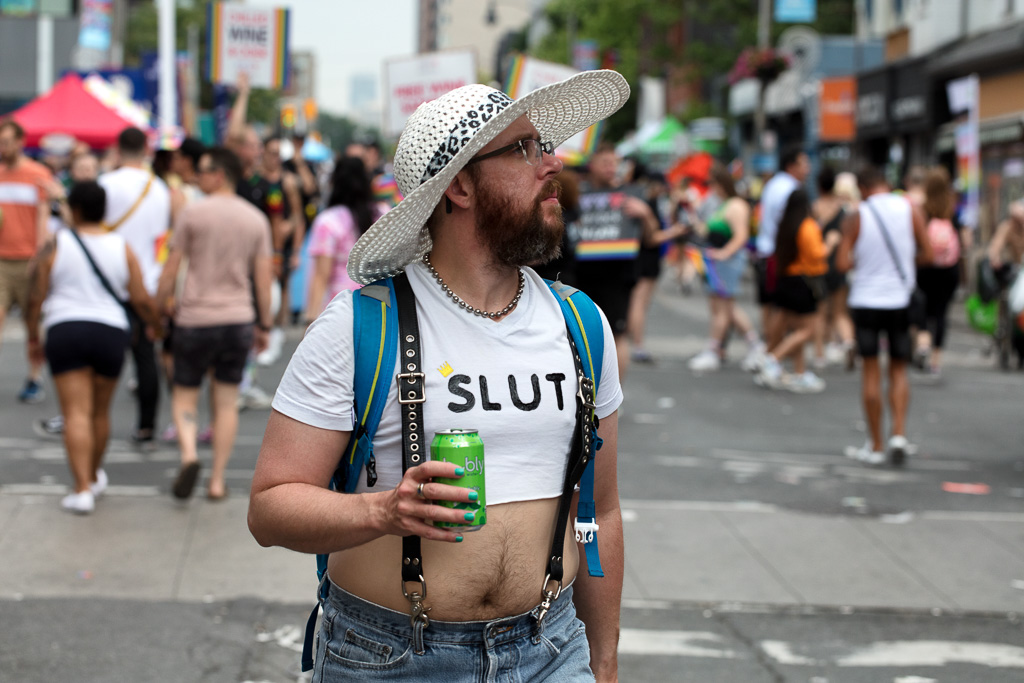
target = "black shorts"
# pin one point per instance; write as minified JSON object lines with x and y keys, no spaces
{"x":794,"y":294}
{"x":223,"y":348}
{"x":871,"y":322}
{"x":650,"y":262}
{"x":764,"y":269}
{"x":286,"y":263}
{"x":81,"y":344}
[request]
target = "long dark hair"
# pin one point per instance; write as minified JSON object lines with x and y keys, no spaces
{"x":798,"y":208}
{"x":350,"y":187}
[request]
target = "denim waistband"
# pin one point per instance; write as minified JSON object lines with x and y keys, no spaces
{"x":489,"y":633}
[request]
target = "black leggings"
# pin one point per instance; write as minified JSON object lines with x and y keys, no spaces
{"x":939,"y":285}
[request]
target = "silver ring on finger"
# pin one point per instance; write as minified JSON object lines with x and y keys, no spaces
{"x":419,"y":491}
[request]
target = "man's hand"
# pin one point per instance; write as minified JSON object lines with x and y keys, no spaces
{"x":260,"y":340}
{"x":242,"y":84}
{"x":635,"y":208}
{"x":403,"y":512}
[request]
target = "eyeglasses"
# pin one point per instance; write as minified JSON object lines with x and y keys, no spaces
{"x":532,"y":150}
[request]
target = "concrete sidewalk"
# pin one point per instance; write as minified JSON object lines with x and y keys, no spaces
{"x":724,"y":555}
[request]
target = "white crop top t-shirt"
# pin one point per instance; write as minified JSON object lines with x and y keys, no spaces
{"x":512,"y":380}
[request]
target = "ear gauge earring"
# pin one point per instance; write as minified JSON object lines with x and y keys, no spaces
{"x":447,"y":205}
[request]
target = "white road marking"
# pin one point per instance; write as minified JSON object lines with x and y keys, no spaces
{"x":936,"y":653}
{"x":782,"y":652}
{"x":290,"y":637}
{"x":678,"y":460}
{"x":700,"y":506}
{"x":674,"y":643}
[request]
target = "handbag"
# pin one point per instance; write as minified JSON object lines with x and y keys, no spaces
{"x":918,"y":302}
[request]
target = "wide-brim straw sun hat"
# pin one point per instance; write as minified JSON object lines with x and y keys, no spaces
{"x":442,"y":136}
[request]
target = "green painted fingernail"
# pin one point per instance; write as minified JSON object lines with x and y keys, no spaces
{"x":473,"y":495}
{"x":469,"y":516}
{"x":458,"y":539}
{"x":459,"y":471}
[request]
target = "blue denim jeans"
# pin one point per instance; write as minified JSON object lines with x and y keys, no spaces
{"x":360,"y":641}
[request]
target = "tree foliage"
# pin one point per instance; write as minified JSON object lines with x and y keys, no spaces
{"x":647,"y":36}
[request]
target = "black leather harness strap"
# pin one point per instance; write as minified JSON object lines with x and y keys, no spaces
{"x":580,"y":453}
{"x":411,"y":384}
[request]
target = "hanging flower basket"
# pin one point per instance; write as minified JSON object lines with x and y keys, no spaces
{"x":763,"y":64}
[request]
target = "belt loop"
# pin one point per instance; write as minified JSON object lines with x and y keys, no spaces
{"x":417,"y":637}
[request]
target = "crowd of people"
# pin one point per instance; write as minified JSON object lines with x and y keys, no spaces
{"x":828,"y":272}
{"x":181,"y":258}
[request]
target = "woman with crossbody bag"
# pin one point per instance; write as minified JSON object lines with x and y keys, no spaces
{"x":84,"y":282}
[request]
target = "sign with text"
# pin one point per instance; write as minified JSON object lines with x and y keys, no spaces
{"x":250,"y":40}
{"x":413,"y":81}
{"x":603,"y":232}
{"x":528,"y":74}
{"x":837,"y":108}
{"x":796,"y":11}
{"x":964,"y":96}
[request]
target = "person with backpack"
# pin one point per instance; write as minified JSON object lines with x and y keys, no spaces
{"x":940,"y":278}
{"x":483,"y":344}
{"x":85,"y":282}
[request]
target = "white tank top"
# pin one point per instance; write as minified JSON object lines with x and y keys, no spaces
{"x":76,"y":293}
{"x":875,"y":281}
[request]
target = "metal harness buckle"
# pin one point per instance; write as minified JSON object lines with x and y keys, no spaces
{"x":416,"y":598}
{"x":586,"y":392}
{"x":407,"y":395}
{"x":547,"y":597}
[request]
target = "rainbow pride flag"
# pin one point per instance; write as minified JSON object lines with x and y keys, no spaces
{"x":608,"y":250}
{"x":706,"y":267}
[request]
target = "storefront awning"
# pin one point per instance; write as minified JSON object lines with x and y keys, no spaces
{"x":994,"y":48}
{"x":992,"y":131}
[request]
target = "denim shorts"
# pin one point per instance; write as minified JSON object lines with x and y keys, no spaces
{"x":361,"y":641}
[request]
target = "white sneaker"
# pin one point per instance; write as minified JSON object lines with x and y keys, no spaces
{"x":275,"y":343}
{"x":705,"y":361}
{"x":100,"y":485}
{"x":754,"y":360}
{"x":254,"y":398}
{"x":807,"y":383}
{"x":79,"y":503}
{"x":770,"y":375}
{"x":899,"y":448}
{"x":835,"y":354}
{"x":865,"y":455}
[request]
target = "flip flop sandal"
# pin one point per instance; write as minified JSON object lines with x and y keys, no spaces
{"x":186,"y":481}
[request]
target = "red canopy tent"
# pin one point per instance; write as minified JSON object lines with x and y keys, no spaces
{"x":69,"y":108}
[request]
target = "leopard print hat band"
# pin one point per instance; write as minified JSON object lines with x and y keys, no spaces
{"x":441,"y":136}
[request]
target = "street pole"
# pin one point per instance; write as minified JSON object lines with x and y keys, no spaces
{"x":764,"y":24}
{"x":44,"y":53}
{"x":167,"y":62}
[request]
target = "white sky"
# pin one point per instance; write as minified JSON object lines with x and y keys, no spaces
{"x":350,"y":37}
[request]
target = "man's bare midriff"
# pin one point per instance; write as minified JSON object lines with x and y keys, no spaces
{"x":495,"y":572}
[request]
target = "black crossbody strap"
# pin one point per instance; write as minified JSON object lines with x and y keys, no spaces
{"x":411,"y":385}
{"x":99,"y":273}
{"x":888,"y":241}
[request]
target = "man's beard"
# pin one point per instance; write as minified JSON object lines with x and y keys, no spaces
{"x":520,"y":235}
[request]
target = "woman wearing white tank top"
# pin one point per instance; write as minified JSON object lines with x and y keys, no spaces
{"x":86,"y":331}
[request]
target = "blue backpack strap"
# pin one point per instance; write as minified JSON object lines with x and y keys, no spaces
{"x":583,"y":321}
{"x":375,"y":335}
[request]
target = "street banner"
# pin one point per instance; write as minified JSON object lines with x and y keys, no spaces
{"x":603,"y":232}
{"x":796,"y":11}
{"x":528,"y":74}
{"x":837,"y":110}
{"x":94,"y":33}
{"x":409,"y":82}
{"x":963,"y":99}
{"x":251,"y":40}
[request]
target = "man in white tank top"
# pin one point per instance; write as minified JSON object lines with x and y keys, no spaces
{"x":882,"y":240}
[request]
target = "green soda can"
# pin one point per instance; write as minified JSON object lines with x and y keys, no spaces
{"x":465,"y":449}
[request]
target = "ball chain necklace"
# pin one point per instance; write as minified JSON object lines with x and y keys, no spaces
{"x":462,"y":304}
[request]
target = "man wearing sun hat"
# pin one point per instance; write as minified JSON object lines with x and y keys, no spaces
{"x":477,"y":173}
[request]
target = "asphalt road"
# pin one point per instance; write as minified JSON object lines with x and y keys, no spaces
{"x":708,"y":440}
